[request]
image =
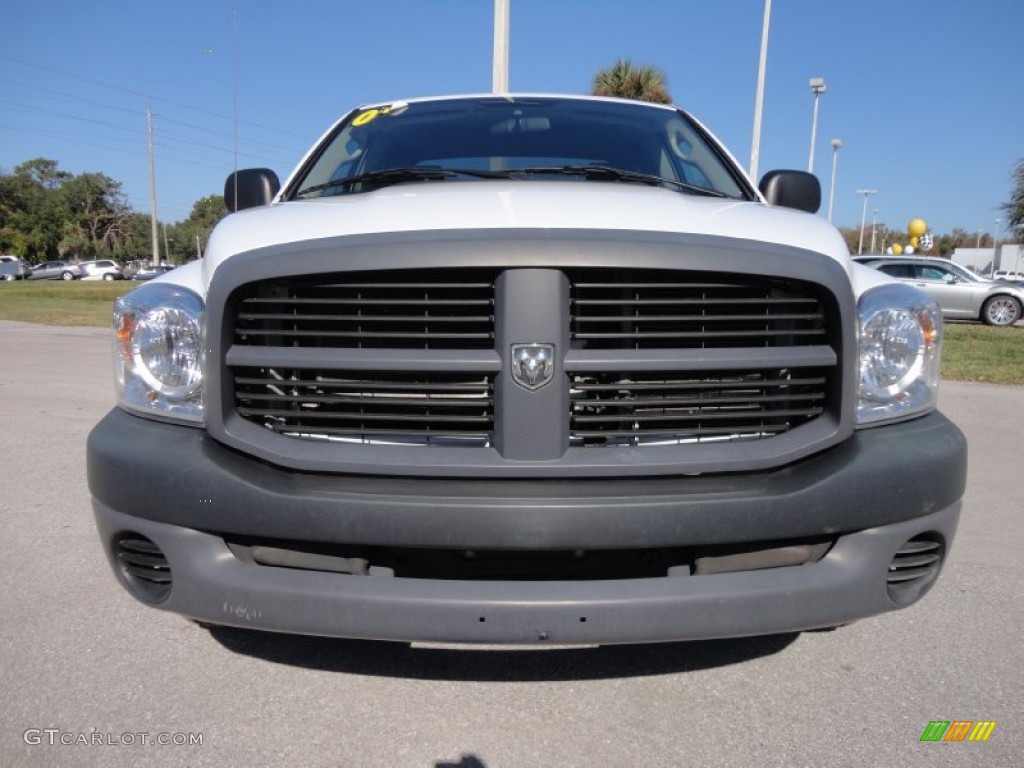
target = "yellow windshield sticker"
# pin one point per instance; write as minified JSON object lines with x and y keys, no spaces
{"x":370,"y":114}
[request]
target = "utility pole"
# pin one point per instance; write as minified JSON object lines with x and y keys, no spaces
{"x":234,"y":96}
{"x":864,"y":216}
{"x":755,"y":149}
{"x":837,"y":144}
{"x":499,"y":80}
{"x":152,"y":187}
{"x":817,"y":88}
{"x":995,"y":251}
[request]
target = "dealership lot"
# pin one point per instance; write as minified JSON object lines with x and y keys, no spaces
{"x":84,"y":664}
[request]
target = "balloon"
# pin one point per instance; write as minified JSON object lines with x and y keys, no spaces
{"x":897,"y":249}
{"x":914,"y":241}
{"x":917,"y":227}
{"x":908,"y":251}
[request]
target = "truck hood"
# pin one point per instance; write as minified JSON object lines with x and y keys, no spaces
{"x":462,"y":205}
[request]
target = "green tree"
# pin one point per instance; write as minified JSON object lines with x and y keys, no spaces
{"x":625,"y":80}
{"x":95,"y":215}
{"x":32,"y":213}
{"x":134,"y":243}
{"x":206,"y":212}
{"x":1014,"y":209}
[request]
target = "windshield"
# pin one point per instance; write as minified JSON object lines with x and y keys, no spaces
{"x":540,"y":139}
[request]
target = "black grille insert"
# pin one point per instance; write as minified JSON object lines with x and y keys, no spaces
{"x":369,"y":407}
{"x":441,"y":309}
{"x":623,"y":409}
{"x":653,"y":309}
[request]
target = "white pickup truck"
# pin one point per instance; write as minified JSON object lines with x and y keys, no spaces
{"x":525,"y":369}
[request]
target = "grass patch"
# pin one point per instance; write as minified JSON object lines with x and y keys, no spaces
{"x":971,"y":352}
{"x":975,"y":352}
{"x":55,"y":302}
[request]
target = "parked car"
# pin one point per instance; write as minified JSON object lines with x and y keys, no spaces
{"x":962,"y":294}
{"x":102,"y":269}
{"x":1009,"y":276}
{"x":148,"y":273}
{"x":13,"y":268}
{"x":56,"y":270}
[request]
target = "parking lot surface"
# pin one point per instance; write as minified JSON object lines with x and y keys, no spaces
{"x":82,"y":663}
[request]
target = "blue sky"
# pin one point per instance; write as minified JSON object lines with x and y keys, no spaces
{"x":925,"y":94}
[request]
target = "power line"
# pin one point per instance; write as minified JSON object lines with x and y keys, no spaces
{"x":163,"y":118}
{"x":166,"y":119}
{"x":85,"y":141}
{"x":150,"y":96}
{"x":169,"y":141}
{"x":76,"y":138}
{"x":67,"y":116}
{"x":74,"y":97}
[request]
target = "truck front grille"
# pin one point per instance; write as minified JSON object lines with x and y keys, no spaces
{"x":411,"y":371}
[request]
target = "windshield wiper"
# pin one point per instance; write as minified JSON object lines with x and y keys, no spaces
{"x":397,"y":175}
{"x":607,"y":173}
{"x":423,"y":173}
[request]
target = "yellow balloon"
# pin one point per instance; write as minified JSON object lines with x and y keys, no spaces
{"x":897,"y":249}
{"x":913,"y":241}
{"x":916,"y":228}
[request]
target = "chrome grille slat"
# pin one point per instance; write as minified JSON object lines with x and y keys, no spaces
{"x":699,"y":318}
{"x":702,"y":334}
{"x":700,"y":415}
{"x":365,"y":336}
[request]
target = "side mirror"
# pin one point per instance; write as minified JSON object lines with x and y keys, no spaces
{"x":250,"y":188}
{"x":792,"y":189}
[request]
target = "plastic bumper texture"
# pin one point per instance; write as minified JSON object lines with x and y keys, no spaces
{"x":212,"y":585}
{"x":184,"y":492}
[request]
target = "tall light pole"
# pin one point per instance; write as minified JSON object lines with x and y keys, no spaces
{"x":836,"y":146}
{"x":995,"y":250}
{"x":755,"y":147}
{"x":874,"y":224}
{"x":152,"y":189}
{"x":864,"y":216}
{"x":817,"y":88}
{"x":499,"y":80}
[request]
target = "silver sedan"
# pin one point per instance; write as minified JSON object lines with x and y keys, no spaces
{"x":961,"y":294}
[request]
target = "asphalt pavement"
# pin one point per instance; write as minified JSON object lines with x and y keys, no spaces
{"x":89,"y":677}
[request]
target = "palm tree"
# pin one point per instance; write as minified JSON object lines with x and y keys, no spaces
{"x":627,"y":81}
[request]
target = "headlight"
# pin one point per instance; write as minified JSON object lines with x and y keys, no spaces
{"x":158,"y":352}
{"x":900,"y":345}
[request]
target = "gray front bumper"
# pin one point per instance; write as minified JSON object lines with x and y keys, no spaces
{"x":211,"y":584}
{"x":183,"y":491}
